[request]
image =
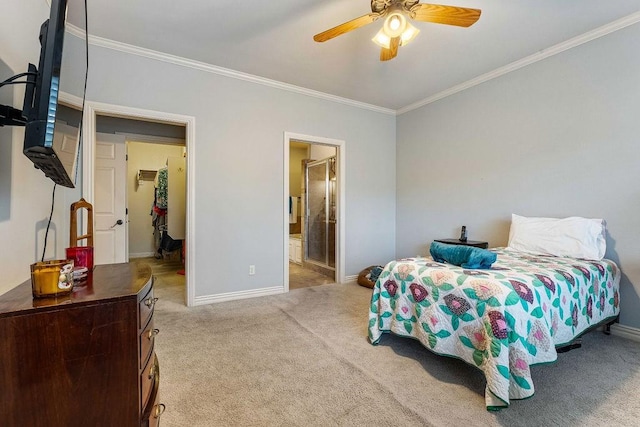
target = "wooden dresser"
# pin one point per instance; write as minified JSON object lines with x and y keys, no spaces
{"x":86,"y":359}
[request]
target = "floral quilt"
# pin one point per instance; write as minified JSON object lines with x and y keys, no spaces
{"x":502,"y":320}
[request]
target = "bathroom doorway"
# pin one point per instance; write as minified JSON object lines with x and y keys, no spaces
{"x":313,"y":212}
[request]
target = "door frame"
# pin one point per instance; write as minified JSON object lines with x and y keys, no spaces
{"x":340,"y":197}
{"x":92,"y":110}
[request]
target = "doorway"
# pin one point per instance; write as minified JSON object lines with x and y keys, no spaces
{"x":156,"y":226}
{"x":314,"y":211}
{"x":92,"y":111}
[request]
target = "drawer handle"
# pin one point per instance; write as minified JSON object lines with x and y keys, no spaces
{"x":149,"y":302}
{"x":159,"y":410}
{"x":153,"y":333}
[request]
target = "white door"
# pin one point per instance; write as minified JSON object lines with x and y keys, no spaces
{"x":109,"y":205}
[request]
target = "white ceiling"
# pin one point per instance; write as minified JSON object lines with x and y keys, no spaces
{"x":274,"y":40}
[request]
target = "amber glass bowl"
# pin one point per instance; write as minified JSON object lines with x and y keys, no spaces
{"x":52,"y":278}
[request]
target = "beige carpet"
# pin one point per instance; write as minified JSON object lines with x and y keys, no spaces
{"x":302,"y":359}
{"x":301,"y":277}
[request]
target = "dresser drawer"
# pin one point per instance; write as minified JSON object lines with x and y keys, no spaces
{"x":147,"y":339}
{"x":148,"y":377}
{"x":154,"y":409}
{"x":145,"y":308}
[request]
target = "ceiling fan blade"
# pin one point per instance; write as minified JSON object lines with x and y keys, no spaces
{"x":441,"y":14}
{"x":346,"y":27}
{"x":387,"y":54}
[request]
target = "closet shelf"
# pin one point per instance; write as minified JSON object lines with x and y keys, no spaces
{"x":146,"y":175}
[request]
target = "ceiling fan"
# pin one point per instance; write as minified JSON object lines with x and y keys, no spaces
{"x":397,"y":31}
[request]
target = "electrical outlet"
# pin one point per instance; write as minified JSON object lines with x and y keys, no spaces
{"x":252,"y":270}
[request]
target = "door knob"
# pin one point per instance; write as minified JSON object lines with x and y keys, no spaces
{"x":118,"y":222}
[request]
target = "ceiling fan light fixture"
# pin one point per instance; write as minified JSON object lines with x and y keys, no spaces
{"x":395,"y":24}
{"x":396,"y":30}
{"x":409,"y":34}
{"x":382,"y":40}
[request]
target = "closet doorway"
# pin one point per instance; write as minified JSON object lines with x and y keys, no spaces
{"x":156,"y":199}
{"x":141,"y":195}
{"x":150,"y":151}
{"x":314,"y":228}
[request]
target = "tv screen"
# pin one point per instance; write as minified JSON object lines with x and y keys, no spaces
{"x":51,"y":148}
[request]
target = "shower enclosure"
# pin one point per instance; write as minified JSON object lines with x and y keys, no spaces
{"x":320,"y":215}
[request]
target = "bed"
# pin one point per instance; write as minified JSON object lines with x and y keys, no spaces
{"x":502,"y":320}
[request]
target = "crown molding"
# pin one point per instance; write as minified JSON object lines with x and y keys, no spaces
{"x":214,"y":69}
{"x":602,"y":31}
{"x":619,"y":24}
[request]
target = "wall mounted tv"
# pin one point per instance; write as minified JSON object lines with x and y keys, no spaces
{"x":50,"y":151}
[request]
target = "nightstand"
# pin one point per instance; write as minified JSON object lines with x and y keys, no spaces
{"x":474,"y":243}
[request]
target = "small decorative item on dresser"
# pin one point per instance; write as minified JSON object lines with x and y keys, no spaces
{"x":52,"y":278}
{"x":474,"y":243}
{"x":82,"y":256}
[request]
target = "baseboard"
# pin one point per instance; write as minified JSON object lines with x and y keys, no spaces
{"x":349,"y":279}
{"x":230,"y":296}
{"x":141,"y":255}
{"x":625,"y":332}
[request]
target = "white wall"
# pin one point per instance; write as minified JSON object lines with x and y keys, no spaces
{"x":6,"y":145}
{"x":239,"y":165}
{"x":557,"y":138}
{"x":239,"y":169}
{"x":25,"y":193}
{"x":140,"y":197}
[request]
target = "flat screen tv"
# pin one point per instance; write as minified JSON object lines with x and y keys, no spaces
{"x":51,"y":151}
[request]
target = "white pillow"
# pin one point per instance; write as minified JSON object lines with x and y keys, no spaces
{"x":573,"y":237}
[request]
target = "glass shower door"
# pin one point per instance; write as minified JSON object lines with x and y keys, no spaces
{"x":320,"y":213}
